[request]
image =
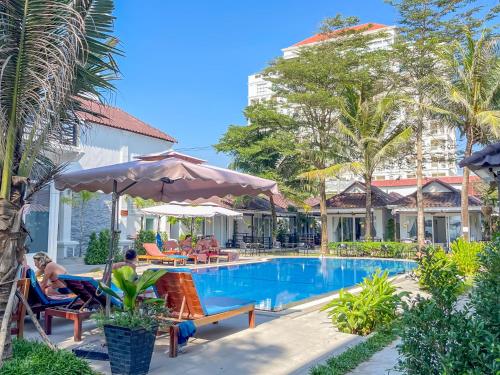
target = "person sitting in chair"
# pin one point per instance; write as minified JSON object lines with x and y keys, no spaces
{"x":50,"y":271}
{"x":130,"y":260}
{"x":214,"y":245}
{"x":186,"y":245}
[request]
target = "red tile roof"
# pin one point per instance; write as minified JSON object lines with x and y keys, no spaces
{"x":119,"y":119}
{"x":452,"y":198}
{"x":321,"y":37}
{"x":413,"y":181}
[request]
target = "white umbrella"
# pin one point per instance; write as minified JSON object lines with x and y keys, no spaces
{"x":184,"y":210}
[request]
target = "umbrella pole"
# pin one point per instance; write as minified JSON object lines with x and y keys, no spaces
{"x":192,"y":224}
{"x":109,"y":265}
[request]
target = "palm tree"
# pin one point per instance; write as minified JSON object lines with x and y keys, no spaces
{"x":52,"y":53}
{"x":370,"y":135}
{"x":470,"y":98}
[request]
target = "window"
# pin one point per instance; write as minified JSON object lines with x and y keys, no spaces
{"x":261,"y":88}
{"x":149,"y":223}
{"x":379,"y":178}
{"x":437,"y":144}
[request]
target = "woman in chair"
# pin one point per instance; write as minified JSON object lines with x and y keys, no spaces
{"x":186,"y":245}
{"x":50,"y":271}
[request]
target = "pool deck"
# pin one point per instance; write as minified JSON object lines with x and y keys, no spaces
{"x":290,"y":342}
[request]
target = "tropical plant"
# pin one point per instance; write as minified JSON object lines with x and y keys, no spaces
{"x":371,"y":133}
{"x":136,"y":312}
{"x":305,"y":100}
{"x":261,"y":149}
{"x":80,"y":200}
{"x":465,"y":255}
{"x":438,"y":273}
{"x":375,"y":306}
{"x":438,"y":337}
{"x":144,"y":236}
{"x":470,"y":98}
{"x":49,"y":64}
{"x":484,"y":296}
{"x":424,"y":27}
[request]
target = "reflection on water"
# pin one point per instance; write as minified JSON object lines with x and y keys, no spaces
{"x":279,"y":282}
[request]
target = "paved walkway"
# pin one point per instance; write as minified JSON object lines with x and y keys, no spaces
{"x":382,"y":362}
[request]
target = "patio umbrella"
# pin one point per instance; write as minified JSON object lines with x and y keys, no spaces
{"x":186,"y":210}
{"x":163,"y":178}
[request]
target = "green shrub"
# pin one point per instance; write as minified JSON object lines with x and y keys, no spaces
{"x":465,"y":255}
{"x":375,"y":306}
{"x":438,"y":273}
{"x":485,"y":297}
{"x":439,"y":338}
{"x":32,"y":357}
{"x":355,"y":355}
{"x":144,"y":236}
{"x":377,"y":249}
{"x":98,"y":248}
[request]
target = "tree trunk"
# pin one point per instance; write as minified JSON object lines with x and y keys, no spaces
{"x":465,"y":192}
{"x":274,"y":225}
{"x":368,"y":207}
{"x":12,"y":237}
{"x":420,"y":195}
{"x":324,"y":218}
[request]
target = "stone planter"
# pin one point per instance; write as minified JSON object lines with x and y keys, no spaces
{"x":129,"y":350}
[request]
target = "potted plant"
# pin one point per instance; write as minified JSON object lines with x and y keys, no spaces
{"x":131,"y":332}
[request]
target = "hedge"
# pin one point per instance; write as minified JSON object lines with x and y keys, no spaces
{"x":374,"y":249}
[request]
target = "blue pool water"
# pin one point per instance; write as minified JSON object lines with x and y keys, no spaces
{"x":282,"y":281}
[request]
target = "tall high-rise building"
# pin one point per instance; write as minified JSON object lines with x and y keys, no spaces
{"x":439,"y":141}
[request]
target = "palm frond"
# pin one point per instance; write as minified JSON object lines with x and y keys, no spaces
{"x":53,"y":52}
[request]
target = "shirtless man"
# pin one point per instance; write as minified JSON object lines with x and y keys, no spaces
{"x":50,"y":271}
{"x":130,"y":260}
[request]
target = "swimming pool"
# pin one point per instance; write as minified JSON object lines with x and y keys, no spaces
{"x":280,"y":282}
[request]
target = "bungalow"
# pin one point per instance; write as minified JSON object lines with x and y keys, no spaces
{"x":346,"y":213}
{"x":395,"y":215}
{"x":442,"y":206}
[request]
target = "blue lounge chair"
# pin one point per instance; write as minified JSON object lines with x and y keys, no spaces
{"x":87,"y":292}
{"x":179,"y":290}
{"x":88,"y":300}
{"x":38,"y":300}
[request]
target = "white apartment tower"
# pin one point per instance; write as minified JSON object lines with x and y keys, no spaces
{"x":439,"y":142}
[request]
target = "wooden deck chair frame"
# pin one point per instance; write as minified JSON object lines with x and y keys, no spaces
{"x":179,"y":291}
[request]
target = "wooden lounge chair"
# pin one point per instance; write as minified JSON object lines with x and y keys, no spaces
{"x":20,"y":312}
{"x":38,"y":300}
{"x":184,"y":302}
{"x":154,"y":254}
{"x":88,"y":300}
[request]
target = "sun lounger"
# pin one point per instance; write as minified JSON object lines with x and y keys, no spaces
{"x":20,"y":312}
{"x":154,"y":254}
{"x":179,"y":291}
{"x":38,"y":300}
{"x":88,"y":300}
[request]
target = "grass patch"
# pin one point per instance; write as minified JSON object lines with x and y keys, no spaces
{"x":355,"y":355}
{"x":33,"y":357}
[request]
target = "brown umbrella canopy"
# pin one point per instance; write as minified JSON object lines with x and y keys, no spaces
{"x":165,"y":180}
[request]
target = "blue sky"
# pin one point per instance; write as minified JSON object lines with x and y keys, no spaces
{"x":186,"y":62}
